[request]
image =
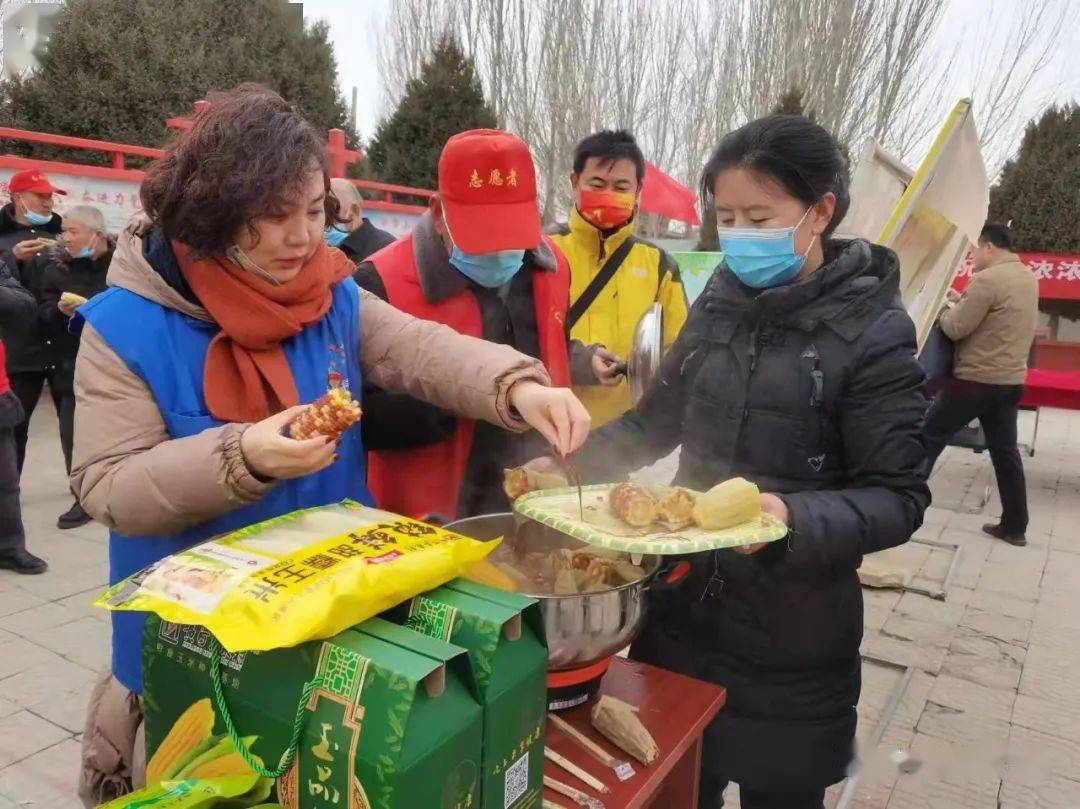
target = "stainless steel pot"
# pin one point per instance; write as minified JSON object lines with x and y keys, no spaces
{"x":581,"y":629}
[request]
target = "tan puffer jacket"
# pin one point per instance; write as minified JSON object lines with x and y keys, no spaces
{"x":130,"y":475}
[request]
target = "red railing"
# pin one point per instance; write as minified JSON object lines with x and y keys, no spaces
{"x":116,"y":151}
{"x":340,"y":159}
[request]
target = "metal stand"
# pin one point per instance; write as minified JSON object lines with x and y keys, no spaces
{"x":883,"y":721}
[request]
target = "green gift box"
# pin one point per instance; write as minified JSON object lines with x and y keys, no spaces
{"x":394,"y":724}
{"x":504,"y":635}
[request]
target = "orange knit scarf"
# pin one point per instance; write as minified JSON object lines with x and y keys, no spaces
{"x":247,"y":376}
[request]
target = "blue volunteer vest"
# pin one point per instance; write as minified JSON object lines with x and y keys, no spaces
{"x":167,"y":350}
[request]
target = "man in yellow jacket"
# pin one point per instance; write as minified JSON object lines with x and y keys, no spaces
{"x":607,"y":174}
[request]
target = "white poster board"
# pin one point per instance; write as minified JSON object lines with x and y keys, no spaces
{"x":117,"y":199}
{"x":928,"y":216}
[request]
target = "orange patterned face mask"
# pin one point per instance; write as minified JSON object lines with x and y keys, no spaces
{"x":606,"y":209}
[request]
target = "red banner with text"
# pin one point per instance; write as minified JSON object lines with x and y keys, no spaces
{"x":1058,"y":274}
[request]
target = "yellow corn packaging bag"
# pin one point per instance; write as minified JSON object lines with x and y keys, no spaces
{"x":303,"y":576}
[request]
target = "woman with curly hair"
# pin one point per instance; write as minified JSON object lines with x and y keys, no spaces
{"x":227,"y":311}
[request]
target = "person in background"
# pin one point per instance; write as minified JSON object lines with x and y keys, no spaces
{"x":477,"y":262}
{"x":28,"y":227}
{"x":183,"y":396}
{"x":993,"y":325}
{"x":71,"y":274}
{"x":354,"y":235}
{"x":16,"y":304}
{"x":608,"y":171}
{"x":796,"y":370}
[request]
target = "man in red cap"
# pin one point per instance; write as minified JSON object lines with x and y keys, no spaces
{"x":28,"y":227}
{"x":477,"y":262}
{"x":28,"y":224}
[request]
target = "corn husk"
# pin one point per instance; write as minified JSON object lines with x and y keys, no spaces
{"x":618,"y":722}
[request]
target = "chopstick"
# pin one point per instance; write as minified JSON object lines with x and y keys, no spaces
{"x":623,"y":769}
{"x":576,"y":771}
{"x":576,"y":795}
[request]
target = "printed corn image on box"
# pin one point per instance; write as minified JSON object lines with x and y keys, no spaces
{"x":389,"y":727}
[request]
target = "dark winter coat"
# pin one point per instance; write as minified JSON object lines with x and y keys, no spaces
{"x":366,"y":240}
{"x":15,"y":304}
{"x":26,"y":349}
{"x":812,"y":391}
{"x":61,"y":273}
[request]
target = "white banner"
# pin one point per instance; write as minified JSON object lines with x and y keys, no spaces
{"x":396,"y":223}
{"x":118,"y":200}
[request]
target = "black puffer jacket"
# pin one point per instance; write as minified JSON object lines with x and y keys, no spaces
{"x":812,"y":391}
{"x":26,"y":349}
{"x":61,"y":273}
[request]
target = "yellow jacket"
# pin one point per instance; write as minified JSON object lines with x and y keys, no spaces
{"x":647,"y":275}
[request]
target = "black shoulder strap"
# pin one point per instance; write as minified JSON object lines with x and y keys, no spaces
{"x":582,"y":304}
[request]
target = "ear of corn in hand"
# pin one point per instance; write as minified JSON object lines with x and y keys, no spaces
{"x":330,"y":415}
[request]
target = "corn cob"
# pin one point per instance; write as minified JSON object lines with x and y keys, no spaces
{"x":484,"y":572}
{"x":222,"y":749}
{"x":188,"y":732}
{"x":200,"y":749}
{"x":728,"y":504}
{"x":519,"y":481}
{"x":676,"y":508}
{"x":516,"y":483}
{"x":231,"y":764}
{"x":330,"y":415}
{"x":633,"y":505}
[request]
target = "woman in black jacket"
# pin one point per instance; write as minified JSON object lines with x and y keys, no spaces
{"x":797,"y":370}
{"x":70,"y":274}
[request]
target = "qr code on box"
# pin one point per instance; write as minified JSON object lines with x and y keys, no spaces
{"x":517,"y":781}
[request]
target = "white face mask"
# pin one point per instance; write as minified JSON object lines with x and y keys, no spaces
{"x":241,"y":260}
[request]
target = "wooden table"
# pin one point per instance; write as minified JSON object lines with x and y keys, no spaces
{"x":675,"y":709}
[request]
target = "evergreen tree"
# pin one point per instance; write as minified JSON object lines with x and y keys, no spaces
{"x":1039,"y":189}
{"x":116,"y":69}
{"x":443,"y":100}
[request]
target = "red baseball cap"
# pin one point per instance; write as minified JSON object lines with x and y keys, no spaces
{"x":34,"y":181}
{"x":487,"y":183}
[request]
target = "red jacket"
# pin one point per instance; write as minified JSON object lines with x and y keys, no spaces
{"x":428,"y":480}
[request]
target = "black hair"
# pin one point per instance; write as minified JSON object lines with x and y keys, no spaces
{"x":798,"y":154}
{"x":999,"y":235}
{"x":609,"y":146}
{"x":247,"y":154}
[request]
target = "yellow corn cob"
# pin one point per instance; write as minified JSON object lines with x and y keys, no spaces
{"x":232,"y":764}
{"x":728,"y":504}
{"x":484,"y":572}
{"x":329,"y":415}
{"x":188,"y":732}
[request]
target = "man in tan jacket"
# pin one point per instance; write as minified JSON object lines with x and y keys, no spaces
{"x":993,"y":325}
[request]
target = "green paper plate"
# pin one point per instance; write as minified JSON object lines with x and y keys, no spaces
{"x":558,"y":509}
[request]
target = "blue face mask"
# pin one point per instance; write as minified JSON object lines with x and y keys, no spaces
{"x":762,"y":257}
{"x":491,"y":270}
{"x":335,"y":236}
{"x":38,"y":218}
{"x":86,"y":252}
